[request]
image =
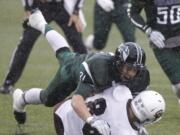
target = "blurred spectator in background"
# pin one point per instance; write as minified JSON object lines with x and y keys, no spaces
{"x":67,"y":14}
{"x":107,"y":12}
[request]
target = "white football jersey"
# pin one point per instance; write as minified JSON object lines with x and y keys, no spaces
{"x":115,"y":112}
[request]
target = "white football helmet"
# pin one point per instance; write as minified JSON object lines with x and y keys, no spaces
{"x":148,"y":106}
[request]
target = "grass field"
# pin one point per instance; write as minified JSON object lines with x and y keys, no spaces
{"x":42,"y":65}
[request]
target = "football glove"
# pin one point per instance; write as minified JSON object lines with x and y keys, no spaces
{"x":106,"y":5}
{"x":101,"y":125}
{"x":156,"y":38}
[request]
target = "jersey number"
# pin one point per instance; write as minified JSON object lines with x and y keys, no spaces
{"x":96,"y":107}
{"x":168,"y":13}
{"x":82,"y":76}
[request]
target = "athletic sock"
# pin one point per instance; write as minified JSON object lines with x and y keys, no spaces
{"x":55,"y":40}
{"x":32,"y":96}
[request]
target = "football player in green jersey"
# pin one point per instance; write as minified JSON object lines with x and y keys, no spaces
{"x":107,"y":13}
{"x":86,"y":74}
{"x":163,"y":30}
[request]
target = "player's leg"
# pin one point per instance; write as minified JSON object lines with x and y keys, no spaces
{"x":169,"y":60}
{"x":102,"y":26}
{"x":57,"y":90}
{"x":35,"y":95}
{"x":20,"y":99}
{"x":61,"y":48}
{"x":19,"y":58}
{"x":55,"y":40}
{"x":73,"y":37}
{"x":123,"y":23}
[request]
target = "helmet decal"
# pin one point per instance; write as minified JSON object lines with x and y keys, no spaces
{"x":139,"y":54}
{"x":158,"y":114}
{"x":125,"y":53}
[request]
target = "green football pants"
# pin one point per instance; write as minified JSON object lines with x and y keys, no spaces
{"x":103,"y":22}
{"x":169,"y":59}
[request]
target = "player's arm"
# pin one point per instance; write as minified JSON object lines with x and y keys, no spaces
{"x":155,"y":37}
{"x":84,"y":89}
{"x":79,"y":106}
{"x":134,"y":10}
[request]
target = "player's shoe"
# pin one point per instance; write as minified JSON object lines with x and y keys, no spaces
{"x":89,"y":42}
{"x":37,"y":21}
{"x":19,"y":106}
{"x":6,"y":89}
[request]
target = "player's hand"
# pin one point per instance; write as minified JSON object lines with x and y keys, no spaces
{"x":74,"y":19}
{"x":25,"y":20}
{"x":156,"y":38}
{"x":101,"y":125}
{"x":106,"y":5}
{"x":143,"y":131}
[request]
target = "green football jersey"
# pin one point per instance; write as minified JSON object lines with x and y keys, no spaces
{"x":85,"y":73}
{"x":97,"y":73}
{"x":91,"y":73}
{"x":161,"y":15}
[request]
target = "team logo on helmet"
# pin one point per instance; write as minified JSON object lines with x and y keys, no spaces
{"x":158,"y":114}
{"x":123,"y":52}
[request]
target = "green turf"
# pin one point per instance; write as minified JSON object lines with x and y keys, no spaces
{"x":42,"y":65}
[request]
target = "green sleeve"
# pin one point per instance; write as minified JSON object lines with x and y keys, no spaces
{"x":84,"y":89}
{"x":94,"y":75}
{"x":134,"y":11}
{"x":85,"y":85}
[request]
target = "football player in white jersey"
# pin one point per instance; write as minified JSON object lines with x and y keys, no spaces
{"x":124,"y":115}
